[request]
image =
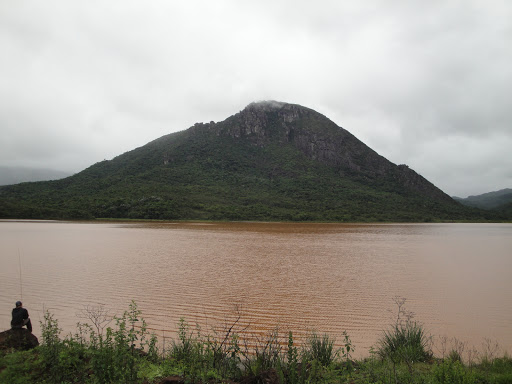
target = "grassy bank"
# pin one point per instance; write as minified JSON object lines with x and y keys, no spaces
{"x":126,"y":352}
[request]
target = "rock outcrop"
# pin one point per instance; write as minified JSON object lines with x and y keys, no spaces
{"x":320,"y":139}
{"x":19,"y":338}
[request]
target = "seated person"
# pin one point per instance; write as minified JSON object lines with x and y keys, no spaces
{"x":20,"y":317}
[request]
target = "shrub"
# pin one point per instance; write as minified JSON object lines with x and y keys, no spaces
{"x":264,"y":355}
{"x":321,"y":349}
{"x":184,"y":348}
{"x":452,"y":372}
{"x":19,"y":367}
{"x":51,"y":347}
{"x":292,"y":360}
{"x":454,"y":355}
{"x":115,"y":356}
{"x":406,"y":341}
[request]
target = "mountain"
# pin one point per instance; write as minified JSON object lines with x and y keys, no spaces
{"x":15,"y":175}
{"x":490,"y":200}
{"x":270,"y":161}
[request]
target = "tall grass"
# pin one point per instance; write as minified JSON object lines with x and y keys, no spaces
{"x":321,"y":349}
{"x":405,"y":342}
{"x":264,"y":353}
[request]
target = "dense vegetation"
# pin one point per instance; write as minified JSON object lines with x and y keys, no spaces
{"x":500,"y":201}
{"x":306,"y":170}
{"x":126,"y":353}
{"x":506,"y":210}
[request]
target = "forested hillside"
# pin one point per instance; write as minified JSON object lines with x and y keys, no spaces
{"x":271,"y":161}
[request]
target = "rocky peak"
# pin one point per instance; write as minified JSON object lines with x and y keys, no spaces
{"x":319,"y":139}
{"x":259,"y":118}
{"x":286,"y":112}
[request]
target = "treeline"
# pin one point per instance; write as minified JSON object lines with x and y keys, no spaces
{"x":318,"y":195}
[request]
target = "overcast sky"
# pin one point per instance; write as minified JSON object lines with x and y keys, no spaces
{"x":425,"y":83}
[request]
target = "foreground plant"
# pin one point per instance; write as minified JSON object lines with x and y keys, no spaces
{"x":125,"y":353}
{"x":321,"y":348}
{"x":406,"y":341}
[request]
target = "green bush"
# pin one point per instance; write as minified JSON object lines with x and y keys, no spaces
{"x":321,"y":349}
{"x":50,"y":349}
{"x":19,"y":367}
{"x":207,"y":357}
{"x":115,"y":355}
{"x":452,"y":372}
{"x":496,"y":370}
{"x":292,"y":362}
{"x":184,"y":348}
{"x":61,"y":361}
{"x":455,"y":355}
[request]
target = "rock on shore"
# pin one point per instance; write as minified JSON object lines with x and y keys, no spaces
{"x":18,"y":339}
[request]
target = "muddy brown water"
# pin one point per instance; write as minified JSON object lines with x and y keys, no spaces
{"x":457,"y":278}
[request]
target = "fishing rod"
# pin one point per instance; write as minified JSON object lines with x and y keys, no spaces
{"x":21,"y":279}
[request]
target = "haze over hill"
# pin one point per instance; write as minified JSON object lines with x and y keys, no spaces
{"x":271,"y":161}
{"x":489,"y":200}
{"x":15,"y":175}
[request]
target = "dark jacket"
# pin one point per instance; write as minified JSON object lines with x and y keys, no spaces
{"x":18,"y":315}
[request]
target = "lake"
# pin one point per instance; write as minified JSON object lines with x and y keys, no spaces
{"x":457,"y":278}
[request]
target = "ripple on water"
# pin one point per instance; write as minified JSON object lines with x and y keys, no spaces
{"x":299,"y":277}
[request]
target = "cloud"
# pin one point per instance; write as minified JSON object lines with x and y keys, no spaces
{"x":419,"y":82}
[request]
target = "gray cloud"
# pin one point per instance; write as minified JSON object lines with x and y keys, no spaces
{"x":422,"y":83}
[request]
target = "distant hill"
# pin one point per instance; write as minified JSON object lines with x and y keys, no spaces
{"x":270,"y":161}
{"x":15,"y":175}
{"x":490,"y":200}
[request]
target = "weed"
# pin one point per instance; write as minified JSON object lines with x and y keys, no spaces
{"x":321,"y":348}
{"x":292,"y":360}
{"x":406,"y":341}
{"x":263,"y":355}
{"x":452,"y":372}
